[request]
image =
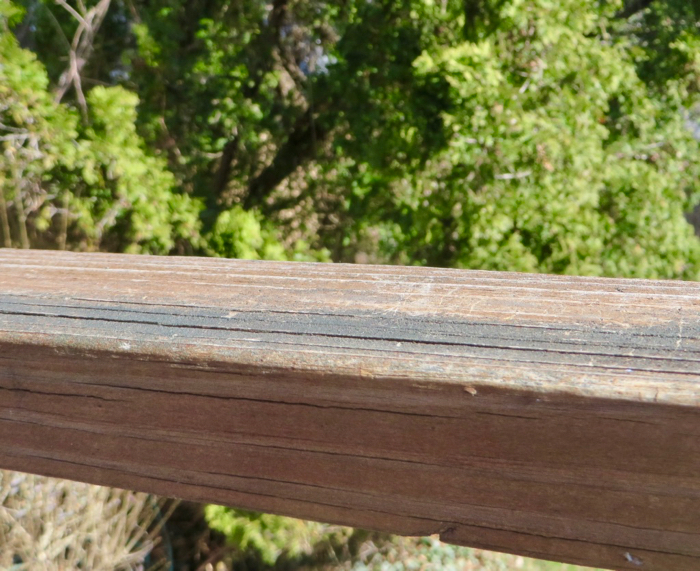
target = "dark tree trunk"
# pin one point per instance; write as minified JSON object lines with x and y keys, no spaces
{"x":299,"y":147}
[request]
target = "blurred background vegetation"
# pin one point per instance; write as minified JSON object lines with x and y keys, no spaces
{"x":525,"y":135}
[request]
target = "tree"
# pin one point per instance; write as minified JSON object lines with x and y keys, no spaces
{"x":519,"y":135}
{"x":560,"y":157}
{"x":81,"y":181}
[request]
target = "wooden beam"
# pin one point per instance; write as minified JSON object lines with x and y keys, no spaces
{"x":555,"y":417}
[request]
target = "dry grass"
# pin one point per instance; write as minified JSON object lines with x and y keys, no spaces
{"x":47,"y":524}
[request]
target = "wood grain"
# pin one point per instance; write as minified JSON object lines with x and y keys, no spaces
{"x":555,"y":417}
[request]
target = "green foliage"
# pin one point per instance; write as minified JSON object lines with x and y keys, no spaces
{"x":35,"y":132}
{"x":498,"y":135}
{"x":558,"y":156}
{"x":125,"y":186}
{"x":238,"y":233}
{"x":262,"y":536}
{"x":274,"y":542}
{"x":89,"y":183}
{"x":560,"y":159}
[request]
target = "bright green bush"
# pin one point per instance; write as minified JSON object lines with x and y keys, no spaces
{"x":238,"y":233}
{"x":84,"y":183}
{"x":264,"y":537}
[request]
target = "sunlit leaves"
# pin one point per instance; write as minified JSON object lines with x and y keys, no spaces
{"x":85,"y":185}
{"x":559,"y":156}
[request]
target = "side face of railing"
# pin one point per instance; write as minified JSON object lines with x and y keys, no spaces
{"x":554,"y":417}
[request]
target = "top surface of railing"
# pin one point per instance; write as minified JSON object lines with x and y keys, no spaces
{"x":602,"y":337}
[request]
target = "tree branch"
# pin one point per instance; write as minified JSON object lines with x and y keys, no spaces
{"x":225,"y":163}
{"x":81,"y":48}
{"x":4,"y":220}
{"x":299,"y":147}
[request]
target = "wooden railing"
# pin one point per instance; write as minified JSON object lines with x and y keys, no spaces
{"x":554,"y":417}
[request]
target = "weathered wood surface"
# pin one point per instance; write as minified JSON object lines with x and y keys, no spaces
{"x":555,"y":417}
